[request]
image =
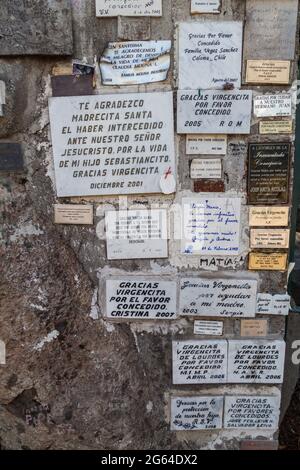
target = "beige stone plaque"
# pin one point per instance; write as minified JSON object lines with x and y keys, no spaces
{"x":267,"y":261}
{"x":268,"y":216}
{"x":276,"y":127}
{"x":276,"y":72}
{"x":269,"y":238}
{"x":254,"y":328}
{"x":73,"y":214}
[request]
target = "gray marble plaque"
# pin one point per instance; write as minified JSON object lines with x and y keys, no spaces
{"x":198,"y":412}
{"x":207,"y":297}
{"x":217,"y":112}
{"x":209,"y":54}
{"x":251,"y":412}
{"x":141,"y":298}
{"x":136,"y":234}
{"x":270,"y":29}
{"x":113,"y":144}
{"x":256,"y":361}
{"x":199,"y":362}
{"x":34,"y":27}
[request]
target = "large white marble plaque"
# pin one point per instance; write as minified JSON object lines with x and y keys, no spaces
{"x":270,"y":29}
{"x":251,"y":412}
{"x":211,"y":226}
{"x":194,"y":413}
{"x":134,"y":62}
{"x":272,"y":105}
{"x":255,"y":361}
{"x":218,"y":297}
{"x":141,"y":298}
{"x":128,"y":8}
{"x":273,"y":304}
{"x":217,"y":112}
{"x":112,"y":144}
{"x":205,"y":6}
{"x":209,"y":54}
{"x":206,"y":144}
{"x":136,"y":234}
{"x":199,"y":362}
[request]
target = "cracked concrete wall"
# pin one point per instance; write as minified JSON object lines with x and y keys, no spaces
{"x":73,"y":380}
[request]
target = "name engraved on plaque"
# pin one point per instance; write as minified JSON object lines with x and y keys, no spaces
{"x":194,"y":413}
{"x":205,"y":66}
{"x":268,"y":72}
{"x":251,"y":412}
{"x":196,"y":362}
{"x":276,"y":127}
{"x":205,"y":6}
{"x":272,"y":105}
{"x":268,"y":216}
{"x":136,"y":234}
{"x":207,"y":168}
{"x":217,"y":112}
{"x":255,"y":361}
{"x":276,"y":304}
{"x":209,"y":328}
{"x":268,"y":173}
{"x":267,"y":261}
{"x":141,"y":298}
{"x":206,"y":144}
{"x":269,"y":238}
{"x":73,"y":214}
{"x":112,"y":144}
{"x":218,"y":297}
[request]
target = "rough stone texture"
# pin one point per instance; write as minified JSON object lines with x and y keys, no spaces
{"x":73,"y":380}
{"x":35,"y":28}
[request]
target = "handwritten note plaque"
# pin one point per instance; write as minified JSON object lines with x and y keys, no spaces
{"x":268,"y":72}
{"x":269,"y":238}
{"x":273,"y":304}
{"x":194,"y":413}
{"x":211,"y":226}
{"x":255,"y":361}
{"x":196,"y":362}
{"x":251,"y":412}
{"x":128,"y":8}
{"x":268,"y":173}
{"x":268,"y":216}
{"x":218,"y":297}
{"x":267,"y":261}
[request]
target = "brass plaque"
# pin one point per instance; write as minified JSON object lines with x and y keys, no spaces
{"x":275,"y":72}
{"x":267,"y":261}
{"x":276,"y":127}
{"x":269,"y":238}
{"x":73,"y":214}
{"x":268,"y":216}
{"x":254,"y":328}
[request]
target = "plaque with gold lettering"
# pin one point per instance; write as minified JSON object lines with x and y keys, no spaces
{"x":268,"y":173}
{"x":275,"y":72}
{"x":267,"y":261}
{"x":276,"y":127}
{"x":269,"y":238}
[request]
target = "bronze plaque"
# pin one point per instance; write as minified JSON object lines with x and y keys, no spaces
{"x":268,"y":72}
{"x":209,"y":186}
{"x":11,"y":158}
{"x":268,"y":173}
{"x":72,"y":85}
{"x":267,"y":261}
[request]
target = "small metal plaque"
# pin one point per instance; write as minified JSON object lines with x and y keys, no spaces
{"x":11,"y":158}
{"x":72,"y":85}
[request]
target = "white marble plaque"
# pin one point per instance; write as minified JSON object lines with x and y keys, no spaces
{"x":141,"y":298}
{"x":199,"y":362}
{"x":112,"y":144}
{"x":207,"y":297}
{"x":134,"y":62}
{"x":276,"y":304}
{"x":206,"y":144}
{"x":209,"y":54}
{"x":251,"y":412}
{"x":270,"y":29}
{"x":128,"y":8}
{"x":273,"y":105}
{"x":209,"y":328}
{"x":136,"y":234}
{"x":205,"y":6}
{"x":255,"y":361}
{"x":218,"y":112}
{"x":207,"y":168}
{"x":211,"y":226}
{"x":194,"y":413}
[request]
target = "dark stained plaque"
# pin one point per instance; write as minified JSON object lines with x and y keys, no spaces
{"x":259,"y":445}
{"x":72,"y":85}
{"x":268,"y":173}
{"x":209,"y":186}
{"x":11,"y":158}
{"x":30,"y":27}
